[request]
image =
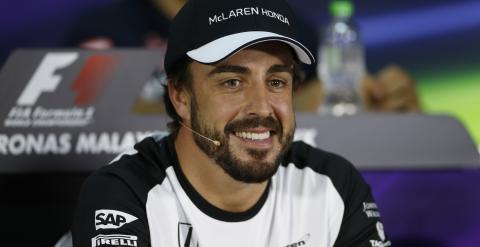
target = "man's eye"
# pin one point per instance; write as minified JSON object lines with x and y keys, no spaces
{"x":232,"y":83}
{"x":277,"y":83}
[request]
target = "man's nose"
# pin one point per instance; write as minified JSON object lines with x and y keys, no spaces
{"x":258,"y":101}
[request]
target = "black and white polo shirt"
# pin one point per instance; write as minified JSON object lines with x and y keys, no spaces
{"x":142,"y":198}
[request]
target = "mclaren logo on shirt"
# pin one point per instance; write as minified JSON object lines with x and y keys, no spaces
{"x":111,"y":219}
{"x":301,"y":242}
{"x":186,"y":236}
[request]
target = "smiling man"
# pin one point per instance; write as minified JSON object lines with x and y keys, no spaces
{"x":229,"y":173}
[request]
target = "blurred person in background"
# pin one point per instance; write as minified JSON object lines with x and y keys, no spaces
{"x":144,"y":23}
{"x":126,"y":23}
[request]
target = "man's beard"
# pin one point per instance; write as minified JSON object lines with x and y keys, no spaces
{"x":255,"y":171}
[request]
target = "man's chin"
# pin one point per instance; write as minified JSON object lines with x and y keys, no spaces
{"x":256,"y":172}
{"x":257,"y":155}
{"x":247,"y":165}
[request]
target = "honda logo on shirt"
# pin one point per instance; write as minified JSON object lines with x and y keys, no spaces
{"x":111,"y":219}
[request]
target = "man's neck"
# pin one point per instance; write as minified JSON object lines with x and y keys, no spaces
{"x":211,"y":181}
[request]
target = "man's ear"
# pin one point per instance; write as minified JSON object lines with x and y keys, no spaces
{"x":180,"y":99}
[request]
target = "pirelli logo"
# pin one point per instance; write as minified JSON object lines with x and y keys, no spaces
{"x":114,"y":240}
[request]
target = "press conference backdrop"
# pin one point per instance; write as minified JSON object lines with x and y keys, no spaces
{"x":63,"y":110}
{"x":66,"y":112}
{"x":435,"y":40}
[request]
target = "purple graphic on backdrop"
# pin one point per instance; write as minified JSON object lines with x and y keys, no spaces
{"x":429,"y":208}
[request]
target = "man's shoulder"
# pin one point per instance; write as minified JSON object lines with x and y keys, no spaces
{"x":339,"y":170}
{"x":138,"y":169}
{"x":303,"y":155}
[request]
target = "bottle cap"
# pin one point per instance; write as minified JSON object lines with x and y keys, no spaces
{"x":341,"y":8}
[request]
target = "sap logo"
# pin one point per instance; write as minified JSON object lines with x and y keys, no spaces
{"x":111,"y":219}
{"x":44,"y":78}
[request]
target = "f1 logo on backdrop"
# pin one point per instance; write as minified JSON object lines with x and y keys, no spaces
{"x":46,"y":78}
{"x":88,"y":85}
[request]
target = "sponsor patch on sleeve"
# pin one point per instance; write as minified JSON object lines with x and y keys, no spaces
{"x":111,"y":219}
{"x":381,"y":234}
{"x":371,"y":210}
{"x":114,"y":240}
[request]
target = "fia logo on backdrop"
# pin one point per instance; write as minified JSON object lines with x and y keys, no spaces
{"x":88,"y":86}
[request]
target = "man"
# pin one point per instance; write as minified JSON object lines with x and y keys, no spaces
{"x":229,"y":174}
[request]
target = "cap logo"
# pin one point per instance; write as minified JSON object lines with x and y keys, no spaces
{"x":235,"y":13}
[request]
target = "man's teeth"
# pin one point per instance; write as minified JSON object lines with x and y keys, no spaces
{"x":253,"y":136}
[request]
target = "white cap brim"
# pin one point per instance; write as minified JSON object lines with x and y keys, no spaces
{"x":227,"y":46}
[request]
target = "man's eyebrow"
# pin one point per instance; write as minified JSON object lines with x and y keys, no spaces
{"x":280,"y":68}
{"x":229,"y":68}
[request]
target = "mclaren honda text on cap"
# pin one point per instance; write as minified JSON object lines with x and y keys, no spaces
{"x":209,"y":31}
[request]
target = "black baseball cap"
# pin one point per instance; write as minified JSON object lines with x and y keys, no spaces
{"x":209,"y":31}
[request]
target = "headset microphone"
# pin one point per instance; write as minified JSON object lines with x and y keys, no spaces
{"x":215,"y":142}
